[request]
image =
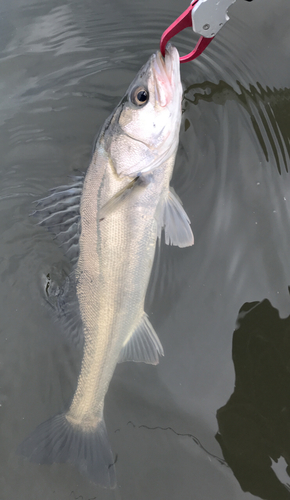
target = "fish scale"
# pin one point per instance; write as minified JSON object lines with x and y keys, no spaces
{"x":125,"y":203}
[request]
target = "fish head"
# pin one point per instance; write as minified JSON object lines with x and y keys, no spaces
{"x":143,"y":131}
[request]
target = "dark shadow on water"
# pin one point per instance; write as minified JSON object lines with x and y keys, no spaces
{"x":254,"y":425}
{"x":269,"y":111}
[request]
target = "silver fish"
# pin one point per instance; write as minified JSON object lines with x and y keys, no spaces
{"x":108,"y":224}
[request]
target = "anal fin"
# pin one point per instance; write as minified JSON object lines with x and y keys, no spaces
{"x":143,"y":345}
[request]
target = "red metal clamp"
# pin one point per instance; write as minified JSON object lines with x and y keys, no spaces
{"x":182,"y":22}
{"x":208,"y":17}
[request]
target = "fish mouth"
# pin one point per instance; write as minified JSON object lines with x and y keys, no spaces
{"x":166,"y":72}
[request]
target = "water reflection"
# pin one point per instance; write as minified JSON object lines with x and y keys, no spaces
{"x":268,"y":110}
{"x":254,"y":425}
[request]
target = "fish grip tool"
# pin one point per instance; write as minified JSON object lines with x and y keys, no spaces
{"x":205,"y":17}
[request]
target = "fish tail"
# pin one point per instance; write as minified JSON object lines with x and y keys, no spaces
{"x":57,"y":440}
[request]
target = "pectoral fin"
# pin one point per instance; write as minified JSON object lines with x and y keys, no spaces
{"x":175,"y":222}
{"x":143,"y":345}
{"x":119,"y":198}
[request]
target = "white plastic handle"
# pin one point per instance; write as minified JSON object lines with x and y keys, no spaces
{"x":209,"y":16}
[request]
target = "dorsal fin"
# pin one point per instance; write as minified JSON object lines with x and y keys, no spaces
{"x":68,"y":312}
{"x":59,"y":212}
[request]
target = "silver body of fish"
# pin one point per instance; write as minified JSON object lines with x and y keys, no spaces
{"x":125,"y":201}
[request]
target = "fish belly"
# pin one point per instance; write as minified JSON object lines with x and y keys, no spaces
{"x":116,"y":257}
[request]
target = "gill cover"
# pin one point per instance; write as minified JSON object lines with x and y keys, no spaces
{"x":143,"y":132}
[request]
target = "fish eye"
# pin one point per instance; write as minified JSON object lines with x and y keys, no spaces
{"x":140,"y":96}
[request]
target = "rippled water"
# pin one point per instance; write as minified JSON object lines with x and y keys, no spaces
{"x":212,"y":420}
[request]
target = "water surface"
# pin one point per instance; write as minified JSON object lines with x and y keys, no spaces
{"x":211,"y":421}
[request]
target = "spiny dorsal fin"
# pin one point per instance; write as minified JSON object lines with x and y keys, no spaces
{"x":59,"y":212}
{"x":143,"y":345}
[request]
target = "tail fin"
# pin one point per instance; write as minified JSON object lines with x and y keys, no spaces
{"x":56,"y":440}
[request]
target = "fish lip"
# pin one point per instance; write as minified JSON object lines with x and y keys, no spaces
{"x":170,"y":61}
{"x":166,"y":74}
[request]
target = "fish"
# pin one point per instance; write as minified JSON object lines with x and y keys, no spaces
{"x":108,"y":222}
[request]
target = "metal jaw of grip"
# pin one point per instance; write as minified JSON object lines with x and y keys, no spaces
{"x":206,"y":17}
